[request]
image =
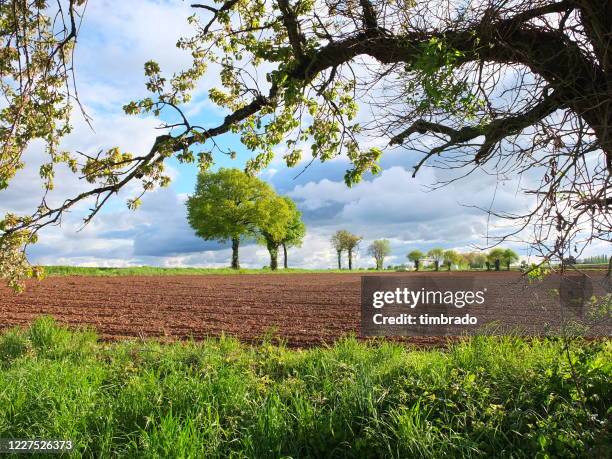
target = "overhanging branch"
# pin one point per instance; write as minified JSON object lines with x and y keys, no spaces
{"x":493,"y":132}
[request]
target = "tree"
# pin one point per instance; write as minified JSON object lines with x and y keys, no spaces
{"x":37,"y":88}
{"x":480,"y":260}
{"x":475,"y":259}
{"x":451,"y":257}
{"x":415,"y":256}
{"x":509,"y":257}
{"x":338,"y":244}
{"x":281,"y":214}
{"x":469,"y":258}
{"x":442,"y":65}
{"x":350,"y":242}
{"x":295,"y":230}
{"x":496,"y":256}
{"x":344,"y":240}
{"x":437,"y":255}
{"x":379,"y":249}
{"x":228,"y":204}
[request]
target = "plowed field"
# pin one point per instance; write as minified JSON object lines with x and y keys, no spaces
{"x":302,"y":309}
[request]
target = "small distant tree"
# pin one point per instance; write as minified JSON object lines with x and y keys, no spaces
{"x":509,"y":257}
{"x":495,"y":257}
{"x":295,"y":230}
{"x":228,"y":204}
{"x":338,"y":245}
{"x":437,"y":255}
{"x":379,"y":249}
{"x":473,"y":259}
{"x":344,"y":240}
{"x":450,"y":257}
{"x":350,"y":242}
{"x":570,"y":260}
{"x":479,"y":260}
{"x":415,"y":256}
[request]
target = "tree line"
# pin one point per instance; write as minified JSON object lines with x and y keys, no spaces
{"x":379,"y":249}
{"x":493,"y":259}
{"x":232,"y":205}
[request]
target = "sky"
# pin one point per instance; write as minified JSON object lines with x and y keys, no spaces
{"x":115,"y":40}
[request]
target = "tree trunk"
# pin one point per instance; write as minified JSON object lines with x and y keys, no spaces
{"x":285,"y":256}
{"x":449,"y":266}
{"x":508,"y":266}
{"x":339,"y":259}
{"x":235,"y":260}
{"x":350,"y":257}
{"x":609,"y":268}
{"x":273,"y":250}
{"x":437,"y":265}
{"x":416,"y":264}
{"x":497,"y":265}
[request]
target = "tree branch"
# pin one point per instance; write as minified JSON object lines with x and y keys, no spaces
{"x":370,"y":21}
{"x":543,"y":10}
{"x":296,"y":38}
{"x":493,"y":132}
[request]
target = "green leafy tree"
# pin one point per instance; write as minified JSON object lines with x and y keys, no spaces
{"x":337,"y":242}
{"x":36,"y":45}
{"x":416,"y":256}
{"x":475,"y":259}
{"x":274,"y":227}
{"x":480,"y":260}
{"x":466,"y":259}
{"x":496,"y":257}
{"x":437,"y":255}
{"x":344,"y":240}
{"x":229,"y":205}
{"x":509,"y":257}
{"x":295,"y":231}
{"x":350,"y":242}
{"x":379,"y":249}
{"x":451,"y":257}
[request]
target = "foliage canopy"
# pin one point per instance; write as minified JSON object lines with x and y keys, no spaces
{"x":228,"y":204}
{"x":379,"y":249}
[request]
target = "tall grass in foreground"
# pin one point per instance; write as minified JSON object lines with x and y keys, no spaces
{"x":485,"y":397}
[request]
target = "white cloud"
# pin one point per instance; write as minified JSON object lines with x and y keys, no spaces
{"x":117,"y":38}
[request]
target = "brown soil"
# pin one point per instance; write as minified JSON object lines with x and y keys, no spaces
{"x":302,"y":309}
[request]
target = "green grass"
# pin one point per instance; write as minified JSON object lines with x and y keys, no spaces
{"x":488,"y":397}
{"x":156,"y":271}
